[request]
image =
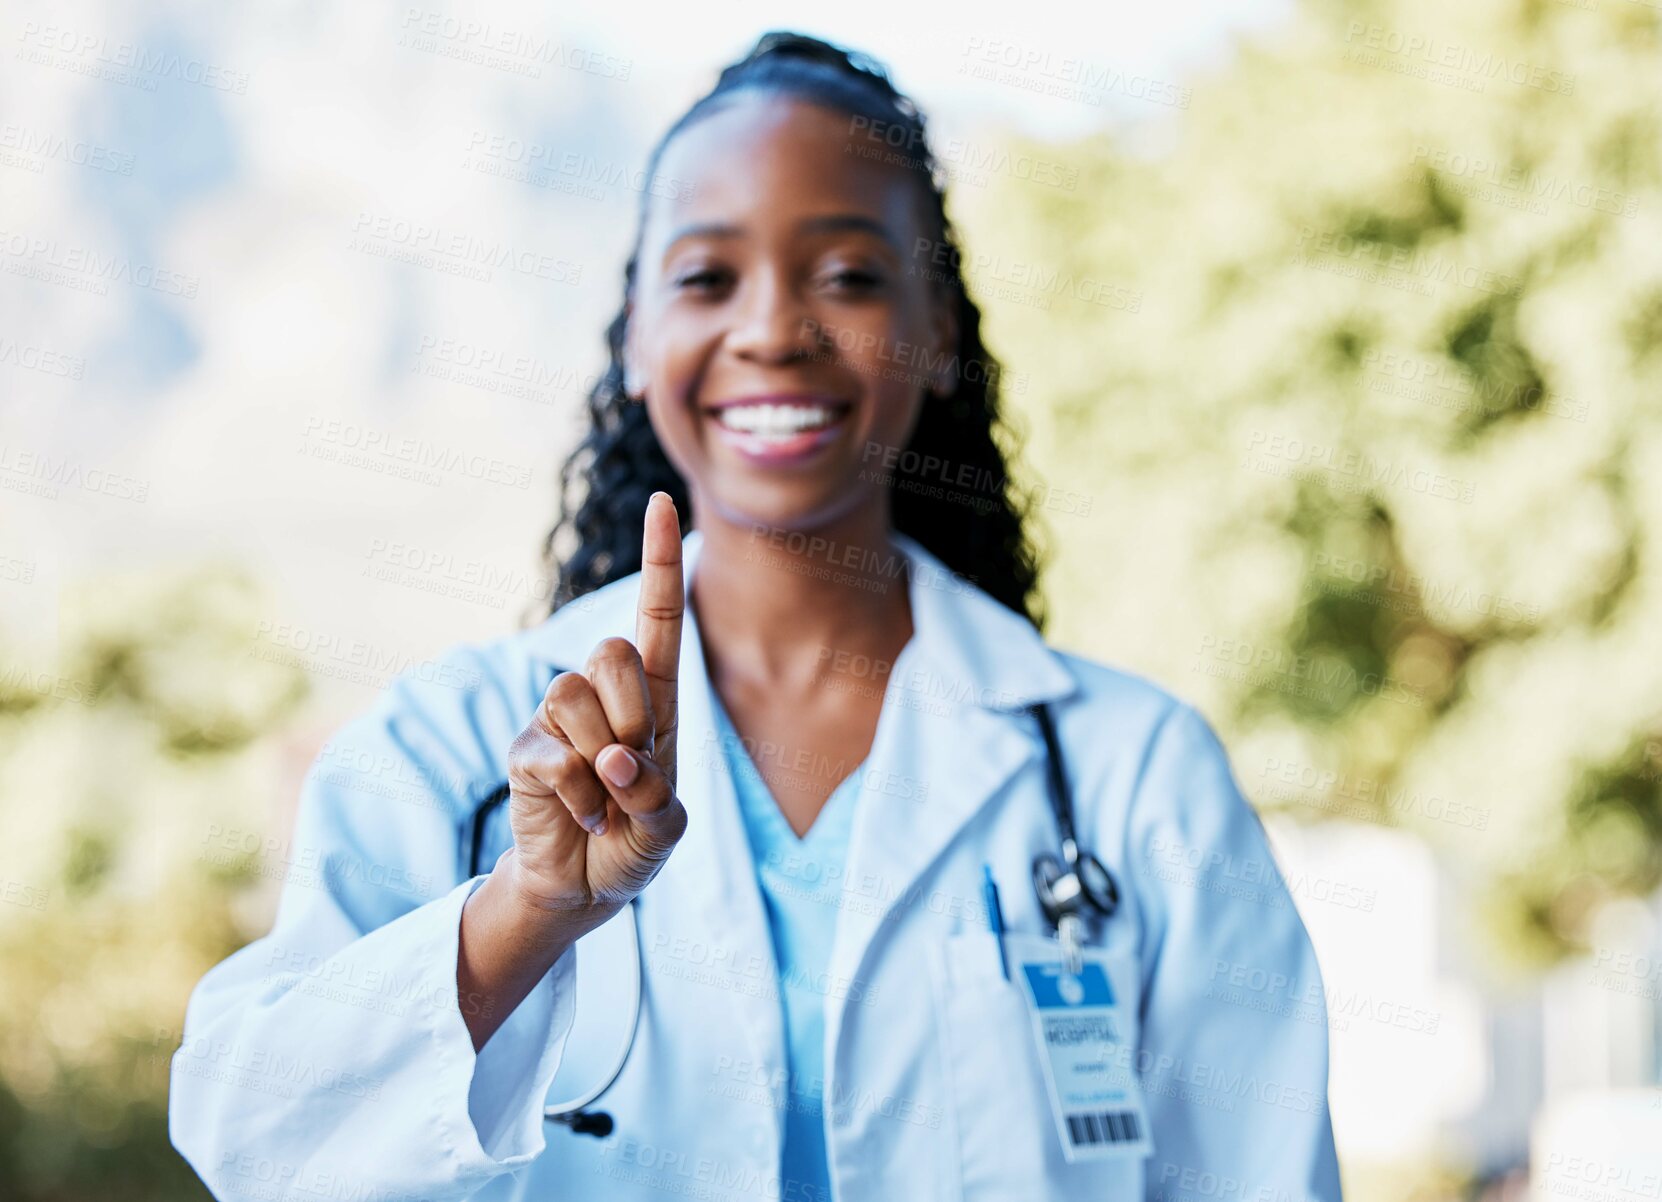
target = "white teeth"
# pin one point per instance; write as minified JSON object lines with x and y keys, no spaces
{"x":776,"y":420}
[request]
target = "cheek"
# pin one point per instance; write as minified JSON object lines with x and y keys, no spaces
{"x":675,"y":426}
{"x":672,"y":366}
{"x":890,"y":348}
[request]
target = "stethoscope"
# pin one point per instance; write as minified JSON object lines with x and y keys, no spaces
{"x":1072,"y":891}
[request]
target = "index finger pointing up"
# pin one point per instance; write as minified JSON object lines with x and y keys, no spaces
{"x":663,"y":599}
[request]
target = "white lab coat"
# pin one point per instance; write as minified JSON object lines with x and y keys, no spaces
{"x":329,"y":1058}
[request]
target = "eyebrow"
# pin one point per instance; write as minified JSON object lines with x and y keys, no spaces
{"x":830,"y":223}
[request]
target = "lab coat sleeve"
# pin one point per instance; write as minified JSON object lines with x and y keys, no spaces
{"x":1233,"y":1017}
{"x":331,"y":1056}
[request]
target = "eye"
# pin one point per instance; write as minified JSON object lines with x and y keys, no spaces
{"x":853,"y":279}
{"x":703,"y":279}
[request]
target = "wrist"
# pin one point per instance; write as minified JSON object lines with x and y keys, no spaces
{"x":533,"y":914}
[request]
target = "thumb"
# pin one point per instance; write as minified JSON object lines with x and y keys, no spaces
{"x":643,"y":791}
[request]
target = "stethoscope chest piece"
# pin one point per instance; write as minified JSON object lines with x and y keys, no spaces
{"x":1078,"y":887}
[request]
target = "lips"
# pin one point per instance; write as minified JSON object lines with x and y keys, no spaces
{"x":779,"y":416}
{"x":780,"y":429}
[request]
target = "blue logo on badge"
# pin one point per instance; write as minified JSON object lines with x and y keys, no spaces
{"x":1054,"y":988}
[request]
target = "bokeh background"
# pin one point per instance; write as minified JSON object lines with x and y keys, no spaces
{"x":1333,"y":348}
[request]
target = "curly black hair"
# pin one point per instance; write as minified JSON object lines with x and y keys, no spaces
{"x":607,"y":479}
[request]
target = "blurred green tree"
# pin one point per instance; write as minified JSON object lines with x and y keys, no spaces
{"x":151,"y":729}
{"x":1343,"y":382}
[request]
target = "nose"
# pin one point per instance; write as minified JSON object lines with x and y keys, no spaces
{"x":772,"y":325}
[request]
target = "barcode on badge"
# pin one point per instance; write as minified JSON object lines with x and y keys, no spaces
{"x":1109,"y":1127}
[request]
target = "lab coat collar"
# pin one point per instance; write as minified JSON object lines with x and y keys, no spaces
{"x":966,"y":647}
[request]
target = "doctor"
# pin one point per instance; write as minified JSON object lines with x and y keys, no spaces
{"x":788,"y":743}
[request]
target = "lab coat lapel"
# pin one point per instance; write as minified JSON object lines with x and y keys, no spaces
{"x":712,"y":872}
{"x":952,"y":735}
{"x":708,"y":889}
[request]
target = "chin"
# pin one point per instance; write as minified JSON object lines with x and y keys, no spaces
{"x":791,"y":506}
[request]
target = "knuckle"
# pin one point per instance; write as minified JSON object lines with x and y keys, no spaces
{"x":656,"y":794}
{"x":614,"y":651}
{"x":529,"y":746}
{"x":634,"y":730}
{"x":564,"y":691}
{"x":534,"y":758}
{"x":569,"y":771}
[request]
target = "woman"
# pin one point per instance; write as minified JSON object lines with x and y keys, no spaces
{"x":799,"y":735}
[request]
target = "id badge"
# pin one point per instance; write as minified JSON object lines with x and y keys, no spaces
{"x":1083,"y":1040}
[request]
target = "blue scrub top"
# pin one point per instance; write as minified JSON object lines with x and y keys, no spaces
{"x":801,"y":882}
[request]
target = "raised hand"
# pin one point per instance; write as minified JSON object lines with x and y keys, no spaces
{"x":593,"y":805}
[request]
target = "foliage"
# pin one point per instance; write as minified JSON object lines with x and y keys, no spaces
{"x":115,"y":763}
{"x":1356,"y":365}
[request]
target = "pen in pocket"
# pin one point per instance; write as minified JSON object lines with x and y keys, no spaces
{"x":995,"y":916}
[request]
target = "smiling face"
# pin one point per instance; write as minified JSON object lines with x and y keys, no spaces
{"x":784,"y":325}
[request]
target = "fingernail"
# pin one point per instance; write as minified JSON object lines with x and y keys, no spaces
{"x":619,"y":766}
{"x":598,"y":828}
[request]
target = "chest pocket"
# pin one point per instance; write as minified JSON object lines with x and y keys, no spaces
{"x":1008,"y":1142}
